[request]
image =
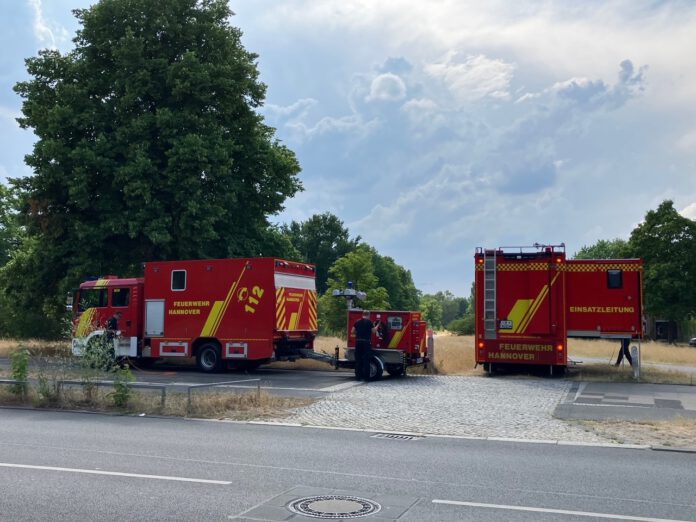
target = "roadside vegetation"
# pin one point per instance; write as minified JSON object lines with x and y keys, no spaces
{"x":40,"y":376}
{"x":680,"y":432}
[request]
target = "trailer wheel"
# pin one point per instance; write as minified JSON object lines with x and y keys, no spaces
{"x":375,"y":369}
{"x":208,"y":358}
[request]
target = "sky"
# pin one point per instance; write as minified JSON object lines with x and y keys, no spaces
{"x":432,"y":128}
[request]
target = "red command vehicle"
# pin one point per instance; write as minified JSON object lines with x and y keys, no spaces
{"x":400,"y":343}
{"x":529,"y":300}
{"x":222,"y":311}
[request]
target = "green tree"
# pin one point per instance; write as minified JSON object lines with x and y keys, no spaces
{"x":10,"y":230}
{"x":149,"y":145}
{"x":356,"y":267}
{"x":452,"y":307}
{"x":321,"y":240}
{"x":666,"y":241}
{"x":432,"y":311}
{"x":603,"y":249}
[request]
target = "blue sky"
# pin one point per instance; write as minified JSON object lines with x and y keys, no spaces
{"x":431,"y":128}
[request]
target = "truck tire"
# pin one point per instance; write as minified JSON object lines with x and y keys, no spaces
{"x":375,"y":369}
{"x":208,"y":358}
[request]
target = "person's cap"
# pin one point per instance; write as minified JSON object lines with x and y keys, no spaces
{"x":366,"y":313}
{"x":378,"y":316}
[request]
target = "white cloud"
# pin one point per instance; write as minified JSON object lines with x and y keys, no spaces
{"x":353,"y":124}
{"x":387,"y":87}
{"x":297,"y":109}
{"x":689,"y":211}
{"x":470,"y":78}
{"x":42,"y":31}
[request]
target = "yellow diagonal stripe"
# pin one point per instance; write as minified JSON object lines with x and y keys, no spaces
{"x":85,"y":322}
{"x":226,"y":303}
{"x":294,"y":317}
{"x":537,"y":303}
{"x":208,"y":327}
{"x":518,"y":312}
{"x":394,"y":342}
{"x":533,"y":309}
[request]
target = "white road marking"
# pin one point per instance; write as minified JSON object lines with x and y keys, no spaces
{"x":115,"y":474}
{"x":556,"y":511}
{"x":342,"y":386}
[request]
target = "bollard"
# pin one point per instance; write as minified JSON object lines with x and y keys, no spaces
{"x":431,"y":348}
{"x":635,"y":355}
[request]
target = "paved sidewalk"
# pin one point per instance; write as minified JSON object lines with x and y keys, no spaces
{"x":502,"y":407}
{"x":627,"y":401}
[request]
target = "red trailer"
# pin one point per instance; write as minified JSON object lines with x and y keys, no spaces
{"x":529,"y":300}
{"x":402,"y":342}
{"x":222,"y":311}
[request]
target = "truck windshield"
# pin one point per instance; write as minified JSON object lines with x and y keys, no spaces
{"x":91,"y":298}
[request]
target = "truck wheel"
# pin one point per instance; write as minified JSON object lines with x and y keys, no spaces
{"x":208,"y":358}
{"x":375,"y":369}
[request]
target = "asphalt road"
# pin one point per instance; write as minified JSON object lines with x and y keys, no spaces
{"x":69,"y":466}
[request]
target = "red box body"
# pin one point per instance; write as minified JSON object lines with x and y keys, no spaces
{"x":406,"y":331}
{"x":529,"y":302}
{"x":249,"y":306}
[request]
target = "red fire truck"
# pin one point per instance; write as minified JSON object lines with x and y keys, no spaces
{"x":399,"y":343}
{"x":529,"y":300}
{"x":241,"y":312}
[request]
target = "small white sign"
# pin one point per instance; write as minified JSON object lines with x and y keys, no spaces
{"x":506,"y":325}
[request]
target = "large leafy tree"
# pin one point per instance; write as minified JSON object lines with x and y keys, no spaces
{"x":603,"y":249}
{"x":356,"y":268}
{"x":397,"y":281}
{"x":321,"y":240}
{"x":666,"y":241}
{"x":149,"y":145}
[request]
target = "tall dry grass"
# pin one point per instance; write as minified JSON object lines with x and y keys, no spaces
{"x":214,"y":405}
{"x":36,"y":347}
{"x":651,"y":352}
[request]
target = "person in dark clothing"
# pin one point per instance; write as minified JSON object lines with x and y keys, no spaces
{"x":382,"y":333}
{"x":624,"y":350}
{"x":112,"y":325}
{"x":362,"y":330}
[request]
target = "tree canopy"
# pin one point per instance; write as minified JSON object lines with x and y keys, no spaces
{"x":666,"y":241}
{"x":321,"y":240}
{"x":603,"y":249}
{"x":149,"y":146}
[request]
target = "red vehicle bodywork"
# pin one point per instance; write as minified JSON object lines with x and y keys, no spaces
{"x":254,"y":309}
{"x":405,"y":331}
{"x":403,"y":343}
{"x":529,"y":302}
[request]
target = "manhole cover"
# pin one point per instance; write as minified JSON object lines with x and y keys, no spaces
{"x":334,"y":507}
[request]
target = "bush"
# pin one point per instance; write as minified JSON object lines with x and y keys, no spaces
{"x":462,"y":326}
{"x":20,"y":371}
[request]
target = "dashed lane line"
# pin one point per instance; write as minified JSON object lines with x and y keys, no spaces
{"x":555,"y":511}
{"x":115,"y":474}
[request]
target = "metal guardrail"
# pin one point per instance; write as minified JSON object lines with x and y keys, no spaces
{"x":105,"y":384}
{"x":161,"y":387}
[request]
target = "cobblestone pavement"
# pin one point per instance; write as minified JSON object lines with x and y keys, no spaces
{"x":505,"y":407}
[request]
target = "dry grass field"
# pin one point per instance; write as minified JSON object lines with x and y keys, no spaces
{"x":680,"y":432}
{"x":454,"y":355}
{"x":37,"y":347}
